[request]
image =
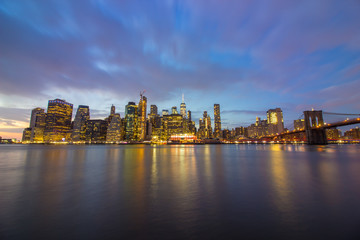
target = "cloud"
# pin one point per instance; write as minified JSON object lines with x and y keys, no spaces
{"x":241,"y":54}
{"x":248,"y":112}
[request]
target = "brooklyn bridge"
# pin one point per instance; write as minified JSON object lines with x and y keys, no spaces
{"x":314,"y":130}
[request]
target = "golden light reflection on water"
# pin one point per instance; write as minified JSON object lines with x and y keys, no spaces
{"x":52,"y":179}
{"x":113,"y":165}
{"x":280,"y":180}
{"x":185,"y":182}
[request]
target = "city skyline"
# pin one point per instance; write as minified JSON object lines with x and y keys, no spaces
{"x":57,"y":125}
{"x":248,"y":56}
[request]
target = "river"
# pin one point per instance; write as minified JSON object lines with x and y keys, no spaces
{"x":179,"y":191}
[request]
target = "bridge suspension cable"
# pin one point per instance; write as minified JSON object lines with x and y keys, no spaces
{"x":344,"y":114}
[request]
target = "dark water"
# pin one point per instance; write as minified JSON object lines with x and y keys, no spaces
{"x":180,"y":192}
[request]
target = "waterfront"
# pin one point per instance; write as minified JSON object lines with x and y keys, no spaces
{"x":177,"y":192}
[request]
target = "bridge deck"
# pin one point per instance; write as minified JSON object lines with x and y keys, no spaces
{"x":326,"y":126}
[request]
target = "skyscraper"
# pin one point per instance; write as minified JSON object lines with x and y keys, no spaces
{"x":37,"y":125}
{"x":112,"y":110}
{"x":96,"y":130}
{"x":173,"y":124}
{"x":82,"y":115}
{"x":217,"y":121}
{"x":142,"y":117}
{"x":275,"y":120}
{"x":131,"y":119}
{"x":58,"y":121}
{"x":153,"y":110}
{"x":113,"y":133}
{"x":183,"y":108}
{"x":165,"y":112}
{"x":207,"y":123}
{"x":174,"y":110}
{"x":189,"y":115}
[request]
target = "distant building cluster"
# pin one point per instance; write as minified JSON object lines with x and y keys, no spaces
{"x":274,"y":124}
{"x":56,"y":124}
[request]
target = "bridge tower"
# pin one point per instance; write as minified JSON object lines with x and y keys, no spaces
{"x":315,"y":133}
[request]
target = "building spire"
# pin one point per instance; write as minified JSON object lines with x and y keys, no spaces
{"x":183,"y":98}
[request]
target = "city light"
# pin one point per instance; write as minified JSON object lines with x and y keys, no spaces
{"x":57,"y":127}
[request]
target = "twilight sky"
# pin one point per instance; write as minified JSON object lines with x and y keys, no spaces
{"x":246,"y":55}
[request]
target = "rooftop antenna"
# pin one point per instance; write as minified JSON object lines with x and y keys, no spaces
{"x":183,"y":97}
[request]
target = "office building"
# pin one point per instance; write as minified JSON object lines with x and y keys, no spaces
{"x":58,"y":121}
{"x":299,"y":124}
{"x":26,"y":135}
{"x":275,"y":121}
{"x":114,"y":130}
{"x":174,"y":110}
{"x":259,"y":129}
{"x":142,"y":117}
{"x":183,"y":107}
{"x":131,"y":120}
{"x":153,"y":110}
{"x":172,"y":125}
{"x":217,"y":121}
{"x":79,"y":128}
{"x":165,"y":112}
{"x":96,"y":131}
{"x":37,"y":125}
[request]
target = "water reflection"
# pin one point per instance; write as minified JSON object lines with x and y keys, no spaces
{"x":281,"y":182}
{"x":204,"y":191}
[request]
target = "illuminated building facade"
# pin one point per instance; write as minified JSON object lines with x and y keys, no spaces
{"x":112,"y":113}
{"x":174,"y":110}
{"x":96,"y":131}
{"x":156,"y":125}
{"x":165,"y":112}
{"x":58,"y":121}
{"x":275,"y":121}
{"x":183,"y":138}
{"x":217,"y":120}
{"x":131,"y":119}
{"x":183,"y":107}
{"x":172,"y":125}
{"x":259,"y":129}
{"x":352,"y":133}
{"x":205,"y":130}
{"x":226,"y":134}
{"x":26,"y":135}
{"x":114,"y":130}
{"x":208,"y":128}
{"x":142,"y":117}
{"x":37,"y":125}
{"x":153,"y":110}
{"x":79,"y":127}
{"x":299,"y":124}
{"x":333,"y":134}
{"x":240,"y":132}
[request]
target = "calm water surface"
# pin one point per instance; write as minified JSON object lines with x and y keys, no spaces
{"x":178,"y":192}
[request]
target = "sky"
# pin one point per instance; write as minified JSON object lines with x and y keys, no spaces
{"x":246,"y":55}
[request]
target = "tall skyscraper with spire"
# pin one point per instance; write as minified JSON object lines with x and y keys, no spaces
{"x":183,"y":107}
{"x":217,"y":127}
